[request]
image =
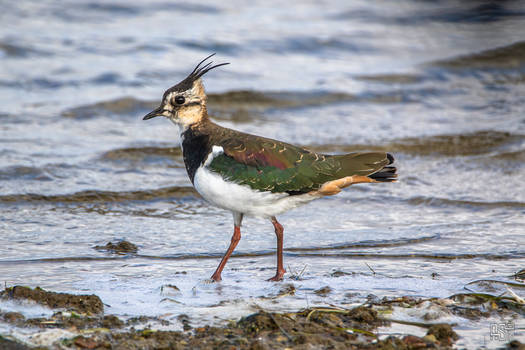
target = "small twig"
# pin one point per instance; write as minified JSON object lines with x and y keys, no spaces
{"x":512,"y":284}
{"x":94,"y":330}
{"x":171,"y":300}
{"x":371,"y":269}
{"x":275,"y":321}
{"x":357,"y":330}
{"x":413,"y":323}
{"x":518,"y":299}
{"x":485,"y":296}
{"x":307,"y":301}
{"x":297,"y":276}
{"x":519,"y":275}
{"x":303,"y":270}
{"x":280,"y":328}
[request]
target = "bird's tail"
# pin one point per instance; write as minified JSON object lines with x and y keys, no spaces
{"x":360,"y":168}
{"x":373,"y":165}
{"x":387,"y":173}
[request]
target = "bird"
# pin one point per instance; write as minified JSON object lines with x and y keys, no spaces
{"x":256,"y":176}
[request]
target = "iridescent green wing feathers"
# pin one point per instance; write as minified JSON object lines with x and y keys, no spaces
{"x":270,"y":165}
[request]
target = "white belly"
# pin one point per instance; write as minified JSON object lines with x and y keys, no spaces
{"x":243,"y":199}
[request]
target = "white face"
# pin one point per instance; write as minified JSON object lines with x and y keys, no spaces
{"x":186,"y":107}
{"x":183,"y":107}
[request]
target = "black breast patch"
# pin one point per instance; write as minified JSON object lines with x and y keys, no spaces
{"x":195,"y":150}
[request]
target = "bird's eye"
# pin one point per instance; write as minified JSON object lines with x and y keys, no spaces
{"x":179,"y":100}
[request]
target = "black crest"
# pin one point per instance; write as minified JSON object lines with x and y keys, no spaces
{"x":198,"y":72}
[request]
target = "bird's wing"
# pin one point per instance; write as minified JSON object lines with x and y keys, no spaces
{"x":270,"y":165}
{"x":261,"y":152}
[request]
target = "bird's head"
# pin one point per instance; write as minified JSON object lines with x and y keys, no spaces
{"x":185,"y":103}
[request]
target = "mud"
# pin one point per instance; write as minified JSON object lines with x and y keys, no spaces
{"x":120,"y":247}
{"x":515,"y":344}
{"x":325,"y":327}
{"x":443,"y":333}
{"x":87,"y":304}
{"x":8,"y":344}
{"x":520,"y":275}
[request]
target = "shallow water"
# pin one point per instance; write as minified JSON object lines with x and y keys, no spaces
{"x":441,"y":85}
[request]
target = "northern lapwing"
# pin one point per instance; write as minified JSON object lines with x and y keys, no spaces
{"x":253,"y":175}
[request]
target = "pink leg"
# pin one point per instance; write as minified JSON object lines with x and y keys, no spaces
{"x":235,"y":239}
{"x":279,"y":233}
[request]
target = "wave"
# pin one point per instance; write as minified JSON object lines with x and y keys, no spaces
{"x":480,"y":142}
{"x":309,"y":45}
{"x":124,"y":105}
{"x":212,"y":46}
{"x":143,"y":154}
{"x":220,"y":105}
{"x":98,"y":12}
{"x":24,"y":172}
{"x":486,"y":146}
{"x":426,"y":256}
{"x":445,"y":202}
{"x":476,"y":143}
{"x":504,"y":57}
{"x":248,"y":104}
{"x":18,"y":51}
{"x":518,"y":156}
{"x":343,"y":255}
{"x":368,"y":244}
{"x":461,"y":12}
{"x":103,"y":196}
{"x":391,"y":78}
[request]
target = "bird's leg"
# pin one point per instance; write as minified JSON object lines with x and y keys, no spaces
{"x":279,"y":233}
{"x":235,"y":239}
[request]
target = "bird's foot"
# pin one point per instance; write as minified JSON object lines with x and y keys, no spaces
{"x":209,"y":281}
{"x":215,"y":278}
{"x":278,"y":276}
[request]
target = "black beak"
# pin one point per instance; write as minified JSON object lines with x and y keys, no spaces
{"x":155,"y":113}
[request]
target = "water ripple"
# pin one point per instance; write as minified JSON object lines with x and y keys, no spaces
{"x":504,"y":57}
{"x":103,"y":196}
{"x":446,"y":202}
{"x":346,"y":255}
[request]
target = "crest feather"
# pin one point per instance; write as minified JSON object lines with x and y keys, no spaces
{"x":197,"y":72}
